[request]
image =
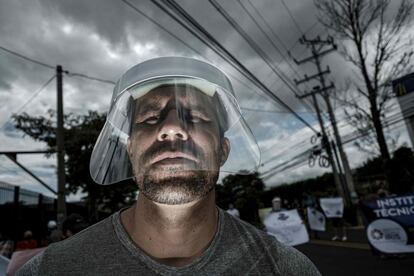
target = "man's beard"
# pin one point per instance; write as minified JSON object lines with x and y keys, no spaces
{"x":176,"y":184}
{"x":177,"y":187}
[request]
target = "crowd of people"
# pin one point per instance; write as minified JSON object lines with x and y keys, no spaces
{"x":21,"y":250}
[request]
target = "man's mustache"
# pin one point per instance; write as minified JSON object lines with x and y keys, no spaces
{"x":186,"y":147}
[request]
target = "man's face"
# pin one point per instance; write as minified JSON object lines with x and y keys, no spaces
{"x":175,"y":146}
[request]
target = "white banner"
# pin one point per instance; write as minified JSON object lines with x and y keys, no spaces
{"x":316,"y":219}
{"x":333,"y":207}
{"x":287,"y":227}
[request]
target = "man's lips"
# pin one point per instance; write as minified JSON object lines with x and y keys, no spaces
{"x":173,"y":156}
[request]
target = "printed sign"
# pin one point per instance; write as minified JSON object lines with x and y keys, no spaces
{"x":333,"y":207}
{"x":316,"y":219}
{"x":390,"y":223}
{"x":287,"y":227}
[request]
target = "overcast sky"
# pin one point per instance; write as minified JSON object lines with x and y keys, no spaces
{"x":104,"y":38}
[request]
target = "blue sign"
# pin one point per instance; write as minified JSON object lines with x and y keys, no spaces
{"x":390,"y":223}
{"x":404,"y":85}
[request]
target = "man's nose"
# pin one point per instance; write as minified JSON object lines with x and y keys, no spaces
{"x":172,"y":128}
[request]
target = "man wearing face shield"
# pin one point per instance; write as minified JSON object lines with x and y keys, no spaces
{"x":173,"y":126}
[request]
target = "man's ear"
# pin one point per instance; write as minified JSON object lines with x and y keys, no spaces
{"x":225,"y":150}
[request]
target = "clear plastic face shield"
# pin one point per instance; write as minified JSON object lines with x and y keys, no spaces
{"x":174,"y":129}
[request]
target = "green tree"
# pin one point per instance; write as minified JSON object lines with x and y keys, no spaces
{"x":402,"y":171}
{"x":320,"y":186}
{"x":80,"y":134}
{"x":244,"y":191}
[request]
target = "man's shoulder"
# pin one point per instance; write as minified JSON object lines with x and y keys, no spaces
{"x":244,"y":230}
{"x":286,"y":259}
{"x":66,"y":251}
{"x":292,"y":262}
{"x":91,"y":236}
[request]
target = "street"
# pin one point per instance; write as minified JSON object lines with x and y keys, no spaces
{"x":337,"y":258}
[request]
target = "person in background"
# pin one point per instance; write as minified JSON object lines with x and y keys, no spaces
{"x":233,"y":211}
{"x":55,"y":234}
{"x":6,"y":247}
{"x":339,"y":227}
{"x":28,"y":241}
{"x":73,"y":224}
{"x":277,"y":204}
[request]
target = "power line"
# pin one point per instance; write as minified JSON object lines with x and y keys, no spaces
{"x":267,"y":36}
{"x":348,"y":139}
{"x":90,"y":78}
{"x":287,"y":165}
{"x":27,"y":58}
{"x":281,"y":167}
{"x":136,"y":9}
{"x":273,"y":44}
{"x":53,"y":67}
{"x":309,"y":107}
{"x":160,"y":26}
{"x":274,"y":34}
{"x":268,"y":26}
{"x":182,"y":41}
{"x":289,"y":149}
{"x":272,"y":111}
{"x":253,"y":45}
{"x":34,"y":95}
{"x":297,"y":41}
{"x":291,"y":16}
{"x":213,"y":44}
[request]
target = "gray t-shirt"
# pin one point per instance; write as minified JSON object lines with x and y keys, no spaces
{"x":105,"y":248}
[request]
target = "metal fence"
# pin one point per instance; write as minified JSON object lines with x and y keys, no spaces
{"x":22,"y":210}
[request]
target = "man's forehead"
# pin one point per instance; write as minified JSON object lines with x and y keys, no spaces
{"x":185,"y":95}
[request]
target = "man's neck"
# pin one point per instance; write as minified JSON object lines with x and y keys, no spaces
{"x":174,"y":235}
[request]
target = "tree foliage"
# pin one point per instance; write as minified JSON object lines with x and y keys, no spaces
{"x":379,"y":47}
{"x":320,"y":186}
{"x":370,"y":172}
{"x":80,"y":134}
{"x":244,"y":192}
{"x":402,"y":171}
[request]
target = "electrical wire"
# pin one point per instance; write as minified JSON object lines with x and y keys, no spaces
{"x":347,"y":140}
{"x":136,"y":9}
{"x":32,"y":97}
{"x":305,"y":103}
{"x":53,"y":67}
{"x":254,"y":46}
{"x":293,"y":18}
{"x":271,"y":111}
{"x":90,"y":78}
{"x":267,"y":37}
{"x":213,"y":44}
{"x":27,"y":58}
{"x":232,"y":61}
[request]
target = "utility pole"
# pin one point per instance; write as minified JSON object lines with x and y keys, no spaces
{"x":61,"y":203}
{"x":325,"y":141}
{"x":318,"y":50}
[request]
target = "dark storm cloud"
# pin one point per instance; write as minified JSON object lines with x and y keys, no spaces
{"x":227,"y":35}
{"x":103,"y":38}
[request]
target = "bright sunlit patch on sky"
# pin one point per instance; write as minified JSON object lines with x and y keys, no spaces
{"x":67,"y":28}
{"x":143,"y":49}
